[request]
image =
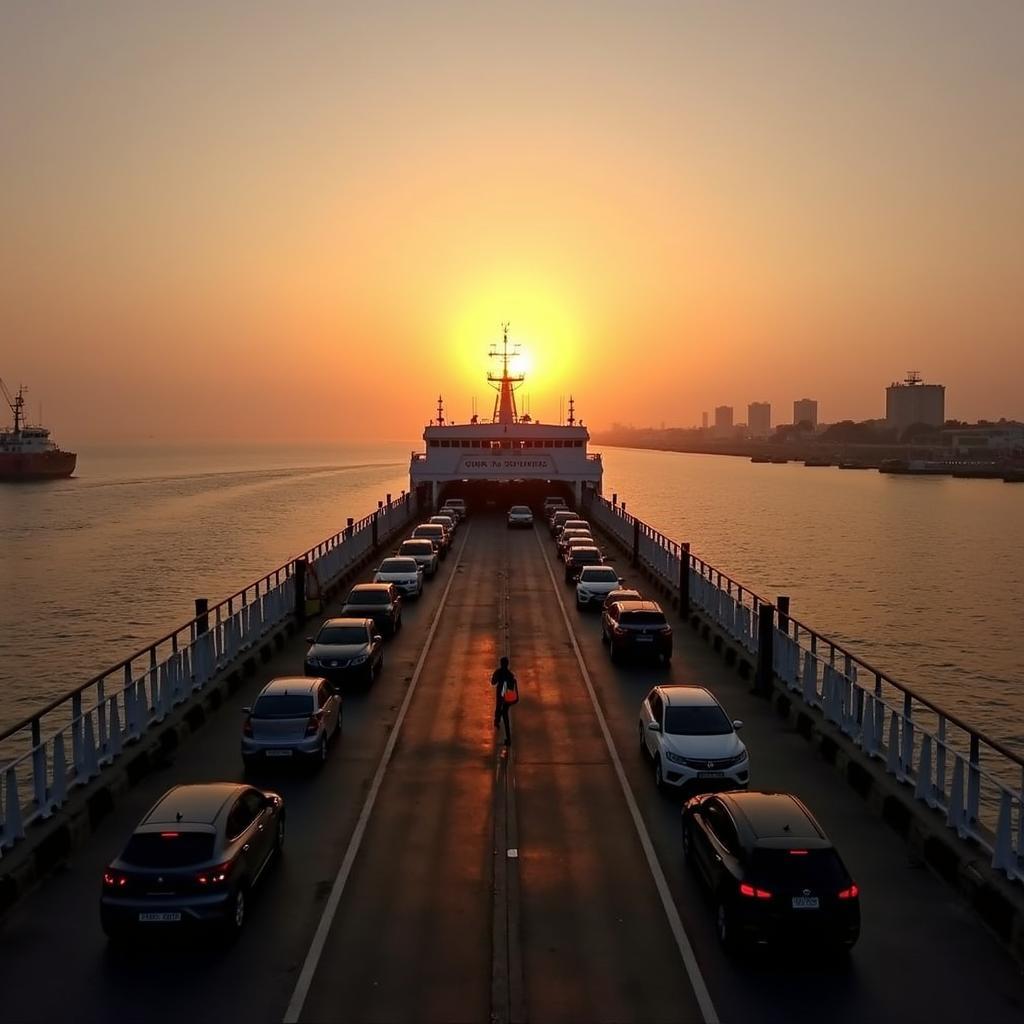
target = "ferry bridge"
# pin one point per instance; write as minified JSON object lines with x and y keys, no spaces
{"x":430,"y":875}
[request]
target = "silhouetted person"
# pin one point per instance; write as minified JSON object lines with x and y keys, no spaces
{"x":503,"y":680}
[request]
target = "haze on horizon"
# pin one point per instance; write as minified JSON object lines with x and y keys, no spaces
{"x":304,"y":221}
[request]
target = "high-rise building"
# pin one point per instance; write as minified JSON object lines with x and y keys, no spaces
{"x":704,"y":420}
{"x":912,"y":401}
{"x":806,"y":410}
{"x":759,"y":419}
{"x":723,"y":420}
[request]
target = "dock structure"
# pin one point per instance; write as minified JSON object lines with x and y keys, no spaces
{"x":430,"y":874}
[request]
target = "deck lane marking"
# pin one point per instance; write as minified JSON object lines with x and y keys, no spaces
{"x":675,"y":922}
{"x":316,"y":948}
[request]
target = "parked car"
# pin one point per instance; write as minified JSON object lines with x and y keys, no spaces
{"x":424,"y":552}
{"x":594,"y":583}
{"x":404,"y":572}
{"x":578,"y":559}
{"x":193,"y":860}
{"x":558,"y":519}
{"x":551,"y":504}
{"x":458,"y":505}
{"x":434,"y":532}
{"x":293,"y":718}
{"x":570,"y":524}
{"x":622,"y":594}
{"x":691,"y":741}
{"x":578,"y":538}
{"x":772,"y":871}
{"x":378,"y":601}
{"x":448,"y":520}
{"x":345,"y":650}
{"x":520,"y":515}
{"x":636,"y":627}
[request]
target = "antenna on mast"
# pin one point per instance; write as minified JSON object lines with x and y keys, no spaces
{"x":572,"y":411}
{"x":440,"y":411}
{"x":505,"y":383}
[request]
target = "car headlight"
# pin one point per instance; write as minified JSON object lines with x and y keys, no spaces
{"x":360,"y":660}
{"x":313,"y":662}
{"x":675,"y":758}
{"x":583,"y":592}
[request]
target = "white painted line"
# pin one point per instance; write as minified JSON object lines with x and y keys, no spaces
{"x":316,"y":948}
{"x":675,"y":922}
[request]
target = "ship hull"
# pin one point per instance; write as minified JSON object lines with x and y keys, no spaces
{"x":36,"y":465}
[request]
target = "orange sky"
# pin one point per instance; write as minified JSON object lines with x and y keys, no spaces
{"x":303,"y":221}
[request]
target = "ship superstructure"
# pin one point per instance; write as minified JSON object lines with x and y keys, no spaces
{"x":26,"y":451}
{"x":511,"y":452}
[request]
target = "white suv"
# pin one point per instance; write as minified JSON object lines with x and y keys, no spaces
{"x":596,"y":582}
{"x":691,"y":740}
{"x":520,"y":515}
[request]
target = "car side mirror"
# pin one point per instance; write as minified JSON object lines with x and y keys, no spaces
{"x":737,"y":724}
{"x":247,"y":710}
{"x":310,"y":640}
{"x":654,"y":727}
{"x":377,"y":638}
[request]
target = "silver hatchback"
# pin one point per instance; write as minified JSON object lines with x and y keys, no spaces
{"x":293,"y":718}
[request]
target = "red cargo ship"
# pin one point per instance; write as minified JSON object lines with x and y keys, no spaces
{"x":26,"y":452}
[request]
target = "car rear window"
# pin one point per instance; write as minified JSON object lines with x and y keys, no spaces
{"x":398,"y":565}
{"x":600,"y":575}
{"x":707,"y":720}
{"x":342,"y":635}
{"x":168,"y":849}
{"x":587,"y":559}
{"x":520,"y":509}
{"x":818,"y":869}
{"x":643,"y":619}
{"x":283,"y":705}
{"x":368,"y":597}
{"x":429,"y":530}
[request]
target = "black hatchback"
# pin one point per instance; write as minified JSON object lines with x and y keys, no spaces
{"x":637,"y":628}
{"x":378,"y":601}
{"x":774,"y":875}
{"x":579,"y":558}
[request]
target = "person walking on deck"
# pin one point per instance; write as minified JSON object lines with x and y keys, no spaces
{"x":504,"y":682}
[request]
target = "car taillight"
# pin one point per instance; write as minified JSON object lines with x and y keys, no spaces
{"x":618,"y":631}
{"x":313,"y":725}
{"x":665,"y":631}
{"x":247,"y":727}
{"x":754,"y":893}
{"x":114,"y":879}
{"x":214,"y":876}
{"x":850,"y":894}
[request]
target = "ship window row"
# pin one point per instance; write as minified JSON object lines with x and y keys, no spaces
{"x":496,"y":445}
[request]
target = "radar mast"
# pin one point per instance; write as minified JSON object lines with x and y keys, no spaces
{"x":505,"y":383}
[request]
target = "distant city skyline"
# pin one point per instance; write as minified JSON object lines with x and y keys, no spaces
{"x":212,"y":211}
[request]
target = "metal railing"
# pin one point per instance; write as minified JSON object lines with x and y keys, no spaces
{"x":72,"y":739}
{"x":975,"y":781}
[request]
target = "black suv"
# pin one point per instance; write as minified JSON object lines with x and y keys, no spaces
{"x":378,"y":601}
{"x":636,"y":627}
{"x":580,"y":557}
{"x":773,"y":873}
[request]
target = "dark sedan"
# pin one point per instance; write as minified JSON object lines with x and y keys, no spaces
{"x":345,"y":650}
{"x":193,"y":860}
{"x":578,"y":559}
{"x":772,"y":872}
{"x":378,"y":601}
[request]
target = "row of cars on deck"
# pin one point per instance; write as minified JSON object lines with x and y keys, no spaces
{"x":771,"y":871}
{"x":200,"y":850}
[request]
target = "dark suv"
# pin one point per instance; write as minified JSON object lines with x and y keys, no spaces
{"x":193,"y":860}
{"x":580,"y":557}
{"x":378,"y":601}
{"x":773,"y":873}
{"x":636,"y":628}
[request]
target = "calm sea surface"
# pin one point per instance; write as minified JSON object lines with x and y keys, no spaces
{"x":920,"y":576}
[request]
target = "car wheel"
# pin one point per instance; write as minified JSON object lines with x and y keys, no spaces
{"x":322,"y":753}
{"x":337,"y":725}
{"x":613,"y":652}
{"x":236,"y":911}
{"x":398,"y":623}
{"x":643,"y":741}
{"x":579,"y":605}
{"x":687,"y":844}
{"x":659,"y":778}
{"x":725,"y":926}
{"x":279,"y":837}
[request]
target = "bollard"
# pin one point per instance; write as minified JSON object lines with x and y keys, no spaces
{"x":300,"y":589}
{"x":684,"y":579}
{"x":765,"y":645}
{"x":348,"y":528}
{"x":202,"y":615}
{"x":388,"y":502}
{"x":615,"y":498}
{"x":376,"y":516}
{"x":783,"y":605}
{"x":636,"y":540}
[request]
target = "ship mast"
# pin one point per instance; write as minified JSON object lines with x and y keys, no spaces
{"x":17,"y":403}
{"x":505,"y":383}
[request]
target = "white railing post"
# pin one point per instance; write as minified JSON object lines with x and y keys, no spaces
{"x":1003,"y":857}
{"x":955,"y":811}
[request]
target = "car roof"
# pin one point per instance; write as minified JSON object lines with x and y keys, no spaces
{"x":430,"y":526}
{"x":776,"y":819}
{"x":290,"y":684}
{"x":417,"y":540}
{"x":399,"y":558}
{"x":610,"y":568}
{"x":639,"y":605}
{"x":617,"y":598}
{"x":199,"y":803}
{"x":362,"y":588}
{"x":441,"y":515}
{"x":682,"y":695}
{"x":347,"y":620}
{"x":587,"y":550}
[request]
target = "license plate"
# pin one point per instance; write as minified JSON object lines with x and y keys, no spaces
{"x":166,"y":917}
{"x":710,"y":775}
{"x":645,"y":639}
{"x":805,"y":902}
{"x":279,"y":753}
